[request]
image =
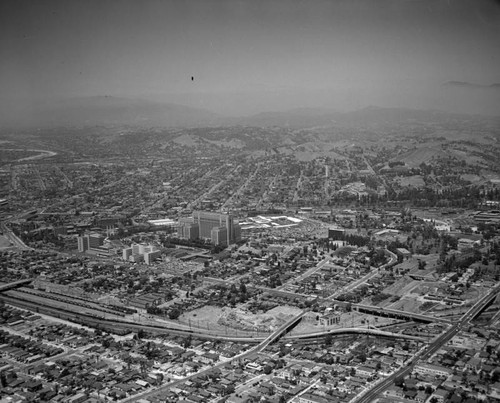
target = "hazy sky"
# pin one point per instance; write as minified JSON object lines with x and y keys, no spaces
{"x":247,"y":56}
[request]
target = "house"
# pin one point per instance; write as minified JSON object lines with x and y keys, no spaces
{"x":365,"y":371}
{"x":440,"y":395}
{"x":209,"y":358}
{"x":410,"y":394}
{"x":237,"y":399}
{"x":424,"y":368}
{"x":78,"y":398}
{"x":394,"y":391}
{"x":253,"y":367}
{"x":403,"y":253}
{"x":464,"y":243}
{"x":421,"y":396}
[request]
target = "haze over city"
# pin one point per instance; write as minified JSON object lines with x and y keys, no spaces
{"x":273,"y":201}
{"x":244,"y":57}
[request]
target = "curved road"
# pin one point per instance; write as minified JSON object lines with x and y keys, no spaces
{"x":371,"y":395}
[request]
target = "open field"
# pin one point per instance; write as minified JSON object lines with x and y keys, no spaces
{"x":415,"y":157}
{"x":415,"y":181}
{"x":4,"y":242}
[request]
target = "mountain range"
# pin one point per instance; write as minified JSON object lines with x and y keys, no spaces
{"x":116,"y":111}
{"x":465,"y":84}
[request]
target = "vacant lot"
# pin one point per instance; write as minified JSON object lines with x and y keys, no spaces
{"x":415,"y":181}
{"x":4,"y":242}
{"x":211,"y":317}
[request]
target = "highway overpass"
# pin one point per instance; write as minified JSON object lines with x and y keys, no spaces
{"x":14,"y":284}
{"x":353,"y":330}
{"x":397,"y":314}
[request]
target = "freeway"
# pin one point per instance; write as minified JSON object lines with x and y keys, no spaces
{"x":254,"y":350}
{"x":352,"y":330}
{"x":7,"y":232}
{"x":397,"y":313}
{"x":280,"y":331}
{"x":434,"y":346}
{"x":15,"y":284}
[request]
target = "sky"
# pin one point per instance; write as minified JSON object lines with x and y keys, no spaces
{"x":241,"y":57}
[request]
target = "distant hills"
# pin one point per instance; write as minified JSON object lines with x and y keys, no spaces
{"x":116,"y":111}
{"x":109,"y":110}
{"x":465,"y":84}
{"x":303,"y":117}
{"x":369,"y":116}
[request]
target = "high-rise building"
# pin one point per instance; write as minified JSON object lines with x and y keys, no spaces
{"x":149,"y":257}
{"x":188,"y":229}
{"x":218,"y":235}
{"x":141,"y":252}
{"x":93,"y":243}
{"x":202,"y":225}
{"x":95,"y":240}
{"x":126,"y":253}
{"x":83,"y":244}
{"x":136,"y":249}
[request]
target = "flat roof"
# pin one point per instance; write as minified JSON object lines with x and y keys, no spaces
{"x":163,"y":221}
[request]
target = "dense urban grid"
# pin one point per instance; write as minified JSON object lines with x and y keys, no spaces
{"x":353,"y":262}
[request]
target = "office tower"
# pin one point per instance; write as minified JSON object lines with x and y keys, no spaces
{"x":95,"y":240}
{"x":202,"y":224}
{"x":127,"y":252}
{"x":149,"y":257}
{"x":188,"y":229}
{"x":237,"y":233}
{"x":136,"y":249}
{"x":218,"y":235}
{"x":83,"y":244}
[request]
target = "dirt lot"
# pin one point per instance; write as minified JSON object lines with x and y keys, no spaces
{"x":235,"y":318}
{"x":4,"y":242}
{"x":347,"y":319}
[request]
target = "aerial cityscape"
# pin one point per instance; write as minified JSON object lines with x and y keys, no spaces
{"x":195,"y":208}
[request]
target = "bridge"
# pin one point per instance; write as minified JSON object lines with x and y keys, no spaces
{"x":395,"y":313}
{"x":353,"y":330}
{"x":14,"y":284}
{"x":371,"y":394}
{"x":481,"y":305}
{"x":281,"y":331}
{"x":16,"y":241}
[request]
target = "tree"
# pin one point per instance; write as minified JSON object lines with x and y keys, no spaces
{"x":243,"y":288}
{"x":229,"y":389}
{"x":187,"y":341}
{"x":174,"y":313}
{"x":328,"y":339}
{"x":399,"y":381}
